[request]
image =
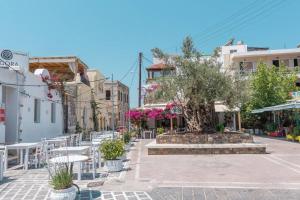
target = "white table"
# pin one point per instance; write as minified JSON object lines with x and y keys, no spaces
{"x":58,"y":141}
{"x":21,"y":146}
{"x":72,"y":150}
{"x":71,"y":159}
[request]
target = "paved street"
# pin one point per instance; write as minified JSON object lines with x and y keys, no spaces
{"x":215,"y":176}
{"x":270,"y":176}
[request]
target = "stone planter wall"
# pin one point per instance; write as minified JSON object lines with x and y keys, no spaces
{"x":216,"y":138}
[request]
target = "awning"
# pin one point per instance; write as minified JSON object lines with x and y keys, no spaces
{"x":285,"y":106}
{"x":154,"y":106}
{"x":219,"y":107}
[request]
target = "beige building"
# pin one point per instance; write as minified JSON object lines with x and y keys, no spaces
{"x":97,"y":84}
{"x":245,"y":59}
{"x":120,"y":94}
{"x":71,"y":72}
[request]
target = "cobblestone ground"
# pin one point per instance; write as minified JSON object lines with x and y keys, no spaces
{"x":223,"y":194}
{"x":209,"y":177}
{"x":33,"y":185}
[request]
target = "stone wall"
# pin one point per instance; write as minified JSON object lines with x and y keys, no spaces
{"x":216,"y":138}
{"x":194,"y":151}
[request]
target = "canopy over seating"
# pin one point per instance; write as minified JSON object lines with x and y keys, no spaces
{"x":285,"y":106}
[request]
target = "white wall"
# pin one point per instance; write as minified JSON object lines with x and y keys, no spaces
{"x":29,"y":131}
{"x":35,"y":131}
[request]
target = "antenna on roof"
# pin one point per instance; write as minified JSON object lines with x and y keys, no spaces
{"x":230,"y":42}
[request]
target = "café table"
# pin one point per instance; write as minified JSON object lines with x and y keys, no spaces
{"x":72,"y":150}
{"x":71,"y":159}
{"x":21,"y":146}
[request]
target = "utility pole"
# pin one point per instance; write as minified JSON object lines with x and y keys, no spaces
{"x":140,"y":78}
{"x":113,"y":105}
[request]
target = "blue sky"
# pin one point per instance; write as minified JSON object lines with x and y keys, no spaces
{"x":108,"y":35}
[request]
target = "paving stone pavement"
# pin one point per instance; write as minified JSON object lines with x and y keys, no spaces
{"x":178,"y":193}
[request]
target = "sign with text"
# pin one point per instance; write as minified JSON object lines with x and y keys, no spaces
{"x":13,"y":59}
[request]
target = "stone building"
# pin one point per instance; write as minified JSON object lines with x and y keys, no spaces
{"x":120,"y":94}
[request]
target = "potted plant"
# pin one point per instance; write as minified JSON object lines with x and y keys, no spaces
{"x":126,"y":139}
{"x":160,"y":131}
{"x":112,"y":150}
{"x":62,"y":183}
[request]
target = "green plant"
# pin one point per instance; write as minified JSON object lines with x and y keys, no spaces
{"x":133,"y":133}
{"x":62,"y":179}
{"x":112,"y":149}
{"x":270,"y":127}
{"x":160,"y":131}
{"x":220,"y":128}
{"x":296,"y":131}
{"x":126,"y":137}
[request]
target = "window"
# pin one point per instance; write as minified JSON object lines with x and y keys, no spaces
{"x":284,"y":63}
{"x":296,"y":62}
{"x":246,"y":67}
{"x":121,"y":95}
{"x":107,"y":94}
{"x":37,"y":110}
{"x":53,"y":112}
{"x":156,"y":74}
{"x":276,"y":63}
{"x":233,"y":51}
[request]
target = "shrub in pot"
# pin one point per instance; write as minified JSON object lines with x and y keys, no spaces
{"x":126,"y":137}
{"x":62,"y":183}
{"x":111,"y":151}
{"x":160,"y":131}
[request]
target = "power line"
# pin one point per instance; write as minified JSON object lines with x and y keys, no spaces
{"x":232,"y":26}
{"x":235,"y":16}
{"x":130,"y":69}
{"x":250,"y":9}
{"x":147,"y":59}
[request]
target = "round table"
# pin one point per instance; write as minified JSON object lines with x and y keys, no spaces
{"x":71,"y":159}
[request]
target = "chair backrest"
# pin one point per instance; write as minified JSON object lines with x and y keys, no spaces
{"x":78,"y":139}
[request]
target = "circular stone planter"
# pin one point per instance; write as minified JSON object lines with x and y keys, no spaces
{"x":65,"y":194}
{"x":114,"y":165}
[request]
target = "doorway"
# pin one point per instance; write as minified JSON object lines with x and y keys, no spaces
{"x":9,"y":98}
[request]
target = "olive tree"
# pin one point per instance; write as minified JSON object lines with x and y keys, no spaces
{"x":197,"y":85}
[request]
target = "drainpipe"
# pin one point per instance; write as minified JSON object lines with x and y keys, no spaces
{"x":18,"y":110}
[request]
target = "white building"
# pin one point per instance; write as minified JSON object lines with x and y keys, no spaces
{"x":244,"y":59}
{"x":32,"y":110}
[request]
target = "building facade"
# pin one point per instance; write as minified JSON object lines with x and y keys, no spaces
{"x":30,"y":109}
{"x":244,"y":59}
{"x":97,"y":80}
{"x":71,"y":73}
{"x":120,"y":94}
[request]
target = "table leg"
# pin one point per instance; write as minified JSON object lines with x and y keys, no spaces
{"x":6,"y":159}
{"x":79,"y":172}
{"x":21,"y":157}
{"x":26,"y":158}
